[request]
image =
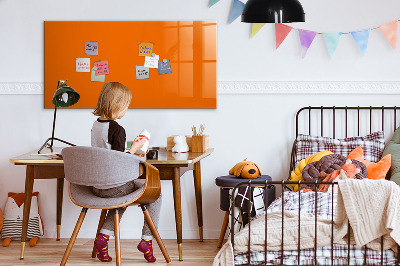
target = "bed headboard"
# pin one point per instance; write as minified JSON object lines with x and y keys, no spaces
{"x":344,"y":121}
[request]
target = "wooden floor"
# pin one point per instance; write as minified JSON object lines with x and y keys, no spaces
{"x":50,"y":252}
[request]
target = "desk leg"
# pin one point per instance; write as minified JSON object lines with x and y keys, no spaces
{"x":197,"y":189}
{"x":60,"y":190}
{"x":176,"y":182}
{"x":27,"y":206}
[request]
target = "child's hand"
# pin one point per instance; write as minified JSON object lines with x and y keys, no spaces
{"x":137,"y":144}
{"x":142,"y":155}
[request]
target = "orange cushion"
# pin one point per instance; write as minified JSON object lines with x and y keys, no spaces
{"x":375,"y":170}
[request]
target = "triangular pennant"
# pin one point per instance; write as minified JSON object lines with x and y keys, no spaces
{"x":389,"y":30}
{"x":213,"y":2}
{"x":237,"y":9}
{"x":306,"y":39}
{"x":332,"y":41}
{"x":361,"y":37}
{"x":281,"y":31}
{"x":255,"y":28}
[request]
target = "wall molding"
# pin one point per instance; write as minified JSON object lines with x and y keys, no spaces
{"x":258,"y":87}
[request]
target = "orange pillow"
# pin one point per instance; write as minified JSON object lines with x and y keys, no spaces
{"x":375,"y":170}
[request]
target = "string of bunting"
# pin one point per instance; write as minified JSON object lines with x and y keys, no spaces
{"x":361,"y":37}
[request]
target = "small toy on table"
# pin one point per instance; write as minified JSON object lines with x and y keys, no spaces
{"x":180,"y":144}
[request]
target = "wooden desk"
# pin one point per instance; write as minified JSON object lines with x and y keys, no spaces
{"x":171,"y":167}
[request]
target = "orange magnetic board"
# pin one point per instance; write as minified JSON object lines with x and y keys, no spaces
{"x":190,"y":47}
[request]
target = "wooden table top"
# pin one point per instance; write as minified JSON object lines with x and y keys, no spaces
{"x":164,"y":157}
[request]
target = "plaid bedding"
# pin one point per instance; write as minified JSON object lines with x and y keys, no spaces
{"x":322,"y":207}
{"x":372,"y":145}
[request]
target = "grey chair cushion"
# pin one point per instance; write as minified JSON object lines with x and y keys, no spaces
{"x":99,"y":167}
{"x":83,"y":195}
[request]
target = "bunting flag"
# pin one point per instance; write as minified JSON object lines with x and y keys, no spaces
{"x":213,"y":2}
{"x":237,"y":9}
{"x":389,"y":30}
{"x":361,"y":37}
{"x":332,"y":41}
{"x":306,"y":39}
{"x":256,"y":28}
{"x":281,"y":31}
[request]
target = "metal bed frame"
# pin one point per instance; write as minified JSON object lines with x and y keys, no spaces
{"x":283,"y":184}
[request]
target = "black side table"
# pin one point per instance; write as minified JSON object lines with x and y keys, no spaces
{"x":226,"y":183}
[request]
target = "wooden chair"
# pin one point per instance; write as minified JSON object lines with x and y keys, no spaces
{"x":85,"y":167}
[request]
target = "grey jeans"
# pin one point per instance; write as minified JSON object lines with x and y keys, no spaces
{"x":153,"y":208}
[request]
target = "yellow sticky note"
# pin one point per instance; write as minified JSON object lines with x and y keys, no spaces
{"x":145,"y":48}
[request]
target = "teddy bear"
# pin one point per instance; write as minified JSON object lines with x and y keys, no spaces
{"x":13,"y":215}
{"x":180,"y":144}
{"x":245,"y":169}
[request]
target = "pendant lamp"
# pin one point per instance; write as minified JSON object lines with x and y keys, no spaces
{"x":272,"y":11}
{"x":63,"y":97}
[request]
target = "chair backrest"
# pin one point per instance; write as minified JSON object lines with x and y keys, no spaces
{"x":92,"y":166}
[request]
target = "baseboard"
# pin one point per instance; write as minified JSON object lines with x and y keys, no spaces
{"x":258,"y":87}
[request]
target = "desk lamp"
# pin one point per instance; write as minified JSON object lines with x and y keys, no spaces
{"x":272,"y":11}
{"x":63,"y":97}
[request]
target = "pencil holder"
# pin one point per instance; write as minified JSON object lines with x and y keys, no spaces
{"x":200,"y":143}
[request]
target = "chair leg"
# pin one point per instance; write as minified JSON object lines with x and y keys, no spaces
{"x":154,"y":230}
{"x":73,"y":237}
{"x":101,"y":222}
{"x":117,"y":239}
{"x":223,"y":229}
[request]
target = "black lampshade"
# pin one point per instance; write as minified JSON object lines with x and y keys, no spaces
{"x":273,"y":11}
{"x":65,"y":96}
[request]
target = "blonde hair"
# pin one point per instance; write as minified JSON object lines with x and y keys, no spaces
{"x":112,"y":99}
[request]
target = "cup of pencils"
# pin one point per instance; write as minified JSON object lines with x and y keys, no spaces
{"x":199,"y":140}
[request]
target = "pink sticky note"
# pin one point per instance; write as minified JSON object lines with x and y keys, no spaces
{"x":102,"y":68}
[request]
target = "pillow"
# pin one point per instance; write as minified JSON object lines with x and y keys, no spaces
{"x":393,"y":148}
{"x":372,"y":144}
{"x":375,"y":170}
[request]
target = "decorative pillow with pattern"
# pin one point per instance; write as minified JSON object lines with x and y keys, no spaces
{"x":372,"y":145}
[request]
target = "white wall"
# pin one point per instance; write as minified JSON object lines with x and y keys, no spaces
{"x":257,"y":127}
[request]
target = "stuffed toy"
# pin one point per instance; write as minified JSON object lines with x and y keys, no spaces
{"x":13,"y":215}
{"x":375,"y":170}
{"x":245,"y":169}
{"x":180,"y":144}
{"x":296,"y":174}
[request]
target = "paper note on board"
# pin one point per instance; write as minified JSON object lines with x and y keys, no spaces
{"x":98,"y":78}
{"x":142,"y":72}
{"x":91,"y":48}
{"x":145,"y":49}
{"x":151,"y":61}
{"x":102,"y":67}
{"x":164,"y":67}
{"x":83,"y":65}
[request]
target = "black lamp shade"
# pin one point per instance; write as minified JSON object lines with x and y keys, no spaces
{"x":273,"y":11}
{"x":65,"y":96}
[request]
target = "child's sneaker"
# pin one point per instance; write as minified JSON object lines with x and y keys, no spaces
{"x":101,"y":245}
{"x":145,"y":246}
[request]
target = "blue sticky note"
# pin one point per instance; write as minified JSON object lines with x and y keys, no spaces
{"x":164,"y":67}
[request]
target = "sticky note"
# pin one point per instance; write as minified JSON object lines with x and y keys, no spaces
{"x":83,"y":65}
{"x":142,"y":72}
{"x":98,"y":78}
{"x":102,"y":67}
{"x":151,"y":61}
{"x":145,"y":49}
{"x":164,"y":67}
{"x":91,"y":48}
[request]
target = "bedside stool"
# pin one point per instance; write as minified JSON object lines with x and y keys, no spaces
{"x":228,"y":182}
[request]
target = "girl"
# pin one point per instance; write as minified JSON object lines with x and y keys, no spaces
{"x":106,"y":133}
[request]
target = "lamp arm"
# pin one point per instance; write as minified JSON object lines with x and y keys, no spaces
{"x":54,"y":126}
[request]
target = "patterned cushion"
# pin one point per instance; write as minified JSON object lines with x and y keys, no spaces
{"x":372,"y":144}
